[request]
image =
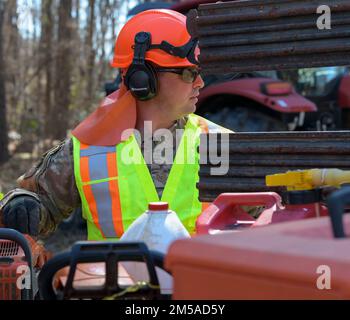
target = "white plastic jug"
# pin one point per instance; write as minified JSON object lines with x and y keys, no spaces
{"x":158,"y":227}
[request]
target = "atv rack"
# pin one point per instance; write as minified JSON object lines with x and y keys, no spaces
{"x":111,"y":253}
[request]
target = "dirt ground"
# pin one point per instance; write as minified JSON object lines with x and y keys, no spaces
{"x":66,"y":234}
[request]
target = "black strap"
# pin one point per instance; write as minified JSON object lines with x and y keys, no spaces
{"x":142,"y":44}
{"x":185,"y":51}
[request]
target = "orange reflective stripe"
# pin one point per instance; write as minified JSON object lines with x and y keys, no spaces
{"x":205,"y":129}
{"x":83,"y":146}
{"x":84,"y":169}
{"x":114,"y":194}
{"x":205,"y":205}
{"x":203,"y":125}
{"x":85,"y":177}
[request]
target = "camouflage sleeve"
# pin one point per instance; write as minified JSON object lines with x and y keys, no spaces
{"x":52,"y":182}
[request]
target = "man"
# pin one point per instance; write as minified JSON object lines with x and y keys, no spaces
{"x":93,"y":169}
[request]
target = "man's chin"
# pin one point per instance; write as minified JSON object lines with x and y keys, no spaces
{"x":192,"y":107}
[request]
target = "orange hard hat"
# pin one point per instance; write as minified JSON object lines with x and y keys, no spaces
{"x":171,"y":44}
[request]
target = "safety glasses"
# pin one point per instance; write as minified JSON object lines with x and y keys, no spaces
{"x":189,"y":75}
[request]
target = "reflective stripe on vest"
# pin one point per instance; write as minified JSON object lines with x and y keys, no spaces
{"x":98,"y":171}
{"x":114,"y":192}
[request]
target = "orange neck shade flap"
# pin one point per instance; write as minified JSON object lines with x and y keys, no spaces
{"x":104,"y":127}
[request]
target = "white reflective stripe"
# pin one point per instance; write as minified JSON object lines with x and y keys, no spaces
{"x":98,"y":170}
{"x":104,"y":208}
{"x":98,"y":166}
{"x":215,"y":128}
{"x":92,"y":150}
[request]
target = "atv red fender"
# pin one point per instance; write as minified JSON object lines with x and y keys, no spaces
{"x":251,"y":89}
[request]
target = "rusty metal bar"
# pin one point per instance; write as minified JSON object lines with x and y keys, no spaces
{"x":255,"y":35}
{"x":252,"y":156}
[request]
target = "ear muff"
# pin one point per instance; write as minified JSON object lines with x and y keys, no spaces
{"x":141,"y":77}
{"x":142,"y":81}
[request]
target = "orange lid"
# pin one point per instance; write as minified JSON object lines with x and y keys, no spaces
{"x":158,"y":206}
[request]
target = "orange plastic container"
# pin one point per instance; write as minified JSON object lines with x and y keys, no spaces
{"x":279,"y":261}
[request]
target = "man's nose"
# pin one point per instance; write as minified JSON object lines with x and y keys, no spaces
{"x":199,"y":83}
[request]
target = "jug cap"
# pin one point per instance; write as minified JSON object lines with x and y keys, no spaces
{"x":158,"y":206}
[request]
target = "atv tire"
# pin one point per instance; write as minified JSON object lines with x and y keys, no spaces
{"x":245,"y":119}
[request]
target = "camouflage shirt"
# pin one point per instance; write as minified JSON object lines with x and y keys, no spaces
{"x":160,"y":171}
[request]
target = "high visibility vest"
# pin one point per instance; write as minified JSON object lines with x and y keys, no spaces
{"x":116,"y":186}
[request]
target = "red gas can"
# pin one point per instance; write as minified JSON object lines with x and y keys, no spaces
{"x":297,"y":212}
{"x":226,"y":212}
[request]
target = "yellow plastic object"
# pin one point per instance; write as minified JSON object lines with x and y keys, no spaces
{"x":1,"y":195}
{"x":308,"y":179}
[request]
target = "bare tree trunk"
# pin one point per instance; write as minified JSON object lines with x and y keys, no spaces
{"x":60,"y":114}
{"x":115,"y":6}
{"x":4,"y":154}
{"x":77,"y":11}
{"x":104,"y":8}
{"x":46,"y":60}
{"x":11,"y":45}
{"x":91,"y":53}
